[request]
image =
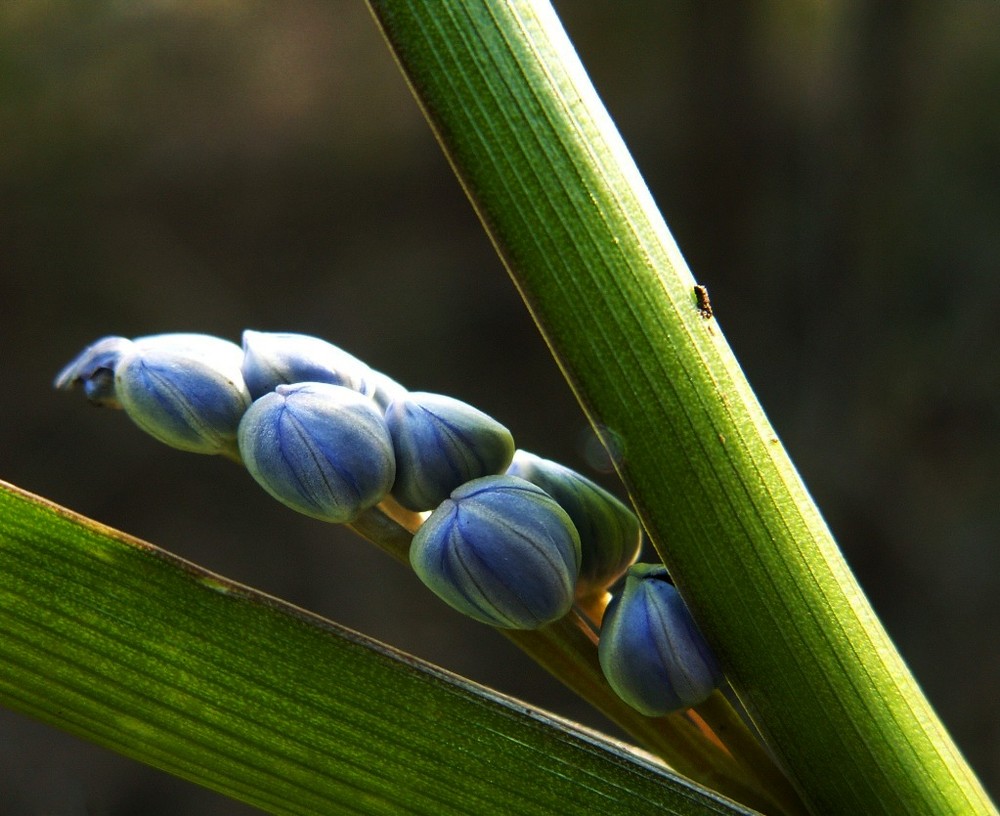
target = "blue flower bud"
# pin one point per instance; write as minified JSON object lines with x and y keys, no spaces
{"x":94,"y":370}
{"x":501,"y":551}
{"x":442,"y":443}
{"x":321,"y":449}
{"x":277,"y":358}
{"x":383,"y":388}
{"x":610,"y":538}
{"x":184,"y":389}
{"x":651,"y":651}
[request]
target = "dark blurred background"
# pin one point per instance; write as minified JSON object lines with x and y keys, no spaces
{"x":830,"y":169}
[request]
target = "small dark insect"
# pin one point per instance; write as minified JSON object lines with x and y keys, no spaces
{"x":704,"y":304}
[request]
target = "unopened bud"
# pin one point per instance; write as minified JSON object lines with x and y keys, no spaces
{"x":184,"y":389}
{"x":93,"y":369}
{"x":501,"y":551}
{"x":384,"y":389}
{"x":321,"y":449}
{"x":651,"y":650}
{"x":610,"y":538}
{"x":278,"y":358}
{"x":442,"y":443}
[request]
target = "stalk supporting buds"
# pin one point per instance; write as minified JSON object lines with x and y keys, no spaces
{"x":276,"y":358}
{"x":502,"y":551}
{"x":321,"y":449}
{"x":442,"y":443}
{"x":610,"y":538}
{"x":651,"y":651}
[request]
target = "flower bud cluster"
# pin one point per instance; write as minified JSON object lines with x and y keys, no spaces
{"x":330,"y":437}
{"x":509,"y":538}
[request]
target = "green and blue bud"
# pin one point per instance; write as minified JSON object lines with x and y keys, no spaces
{"x":93,"y":369}
{"x":441,"y":443}
{"x":383,"y":388}
{"x":651,"y":650}
{"x":501,"y":551}
{"x":186,"y":390}
{"x":610,"y":537}
{"x":280,"y":358}
{"x":321,"y":449}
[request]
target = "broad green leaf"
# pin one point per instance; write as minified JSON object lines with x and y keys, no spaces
{"x":121,"y":643}
{"x":569,"y":214}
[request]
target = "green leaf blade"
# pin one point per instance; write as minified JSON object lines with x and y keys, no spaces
{"x":125,"y":645}
{"x":597,"y":267}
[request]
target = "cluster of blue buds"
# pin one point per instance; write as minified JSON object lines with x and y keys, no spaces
{"x":508,"y":538}
{"x":330,"y":437}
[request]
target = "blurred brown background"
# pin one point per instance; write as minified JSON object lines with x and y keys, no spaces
{"x":830,"y":169}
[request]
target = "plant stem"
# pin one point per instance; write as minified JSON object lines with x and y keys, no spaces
{"x":579,"y":233}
